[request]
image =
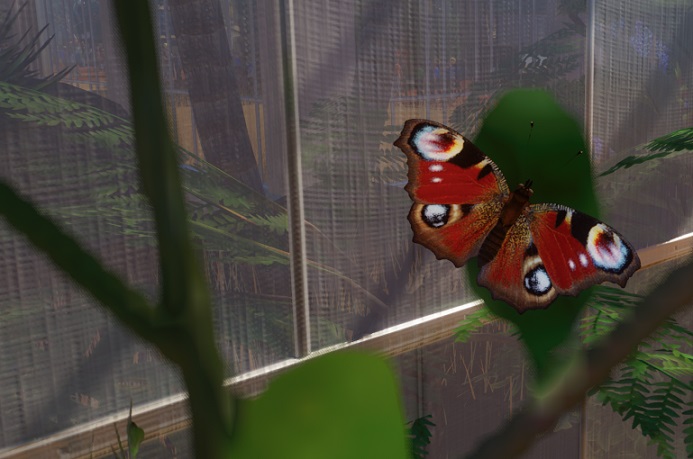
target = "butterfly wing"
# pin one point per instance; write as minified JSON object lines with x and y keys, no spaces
{"x":580,"y":251}
{"x":517,"y":260}
{"x":553,"y":249}
{"x":458,"y":192}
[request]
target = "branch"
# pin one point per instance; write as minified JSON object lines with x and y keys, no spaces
{"x":126,"y":304}
{"x":589,"y":369}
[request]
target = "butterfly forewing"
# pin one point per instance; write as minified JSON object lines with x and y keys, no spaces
{"x":458,"y":191}
{"x":578,"y":250}
{"x":445,"y":167}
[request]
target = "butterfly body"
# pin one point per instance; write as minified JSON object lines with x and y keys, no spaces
{"x":528,"y":254}
{"x":512,"y":210}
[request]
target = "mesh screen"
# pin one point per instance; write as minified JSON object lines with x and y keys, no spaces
{"x":362,"y":68}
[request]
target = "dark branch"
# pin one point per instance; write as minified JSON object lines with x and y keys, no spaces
{"x":589,"y":369}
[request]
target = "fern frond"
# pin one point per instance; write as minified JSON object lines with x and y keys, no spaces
{"x":688,"y":429}
{"x":674,"y":141}
{"x":654,"y":380}
{"x":669,"y":145}
{"x":420,"y":434}
{"x":472,"y":323}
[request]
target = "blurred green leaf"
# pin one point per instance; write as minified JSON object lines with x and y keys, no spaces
{"x":338,"y":406}
{"x":670,"y":145}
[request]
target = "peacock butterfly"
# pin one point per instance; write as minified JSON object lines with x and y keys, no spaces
{"x":527,"y":254}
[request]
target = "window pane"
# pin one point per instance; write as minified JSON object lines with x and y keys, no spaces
{"x":364,"y":67}
{"x":68,"y":146}
{"x":470,"y":389}
{"x":643,"y":61}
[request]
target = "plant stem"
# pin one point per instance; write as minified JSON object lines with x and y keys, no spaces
{"x":185,"y":309}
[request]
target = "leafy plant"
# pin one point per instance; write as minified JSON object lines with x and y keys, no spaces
{"x":650,"y":384}
{"x":15,"y":59}
{"x":135,"y":436}
{"x":669,"y":145}
{"x":420,"y":435}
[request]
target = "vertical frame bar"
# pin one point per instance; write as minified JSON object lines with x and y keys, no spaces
{"x":589,"y":125}
{"x":297,"y":234}
{"x":589,"y":74}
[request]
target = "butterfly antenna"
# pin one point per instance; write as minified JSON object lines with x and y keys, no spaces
{"x":579,"y":153}
{"x":531,"y":128}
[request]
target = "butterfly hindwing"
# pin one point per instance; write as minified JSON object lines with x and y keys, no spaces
{"x":453,"y":231}
{"x":458,"y":192}
{"x":517,"y":274}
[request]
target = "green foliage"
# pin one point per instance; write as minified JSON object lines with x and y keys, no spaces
{"x":650,"y":385}
{"x":555,"y":139}
{"x":224,"y":212}
{"x":340,"y":405}
{"x":16,"y":59}
{"x":135,"y":438}
{"x":675,"y":141}
{"x":688,"y":429}
{"x":420,"y":435}
{"x":472,"y":323}
{"x":669,"y":145}
{"x":654,"y":406}
{"x":349,"y":401}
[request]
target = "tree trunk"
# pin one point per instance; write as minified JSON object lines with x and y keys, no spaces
{"x":216,"y":101}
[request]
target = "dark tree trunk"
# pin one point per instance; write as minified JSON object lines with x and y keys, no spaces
{"x":216,"y":101}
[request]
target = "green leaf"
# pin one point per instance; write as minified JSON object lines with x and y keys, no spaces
{"x":555,"y":140}
{"x":338,"y":406}
{"x":135,"y":436}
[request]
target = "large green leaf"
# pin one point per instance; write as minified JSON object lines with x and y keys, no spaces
{"x":342,"y":405}
{"x":548,"y":154}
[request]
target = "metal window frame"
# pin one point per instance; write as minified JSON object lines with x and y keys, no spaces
{"x":170,"y":414}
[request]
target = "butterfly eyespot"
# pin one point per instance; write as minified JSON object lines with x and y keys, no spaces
{"x":607,"y":250}
{"x":437,"y":144}
{"x":537,"y":281}
{"x":571,"y":265}
{"x":435,"y":215}
{"x":435,"y":167}
{"x":436,"y":180}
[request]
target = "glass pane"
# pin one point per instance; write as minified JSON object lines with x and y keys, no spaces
{"x":643,"y":61}
{"x":68,"y":146}
{"x":364,"y":67}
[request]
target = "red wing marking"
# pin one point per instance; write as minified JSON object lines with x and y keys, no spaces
{"x":438,"y":182}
